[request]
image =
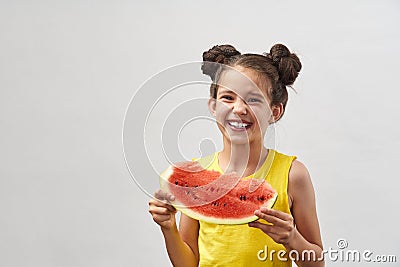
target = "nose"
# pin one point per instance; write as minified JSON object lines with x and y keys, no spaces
{"x":240,"y":107}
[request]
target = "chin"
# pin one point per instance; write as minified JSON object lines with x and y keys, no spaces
{"x":239,"y":140}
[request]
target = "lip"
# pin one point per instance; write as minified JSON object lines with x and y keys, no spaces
{"x":239,"y":121}
{"x":231,"y":125}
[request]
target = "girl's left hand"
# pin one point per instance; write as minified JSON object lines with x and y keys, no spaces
{"x":282,"y":229}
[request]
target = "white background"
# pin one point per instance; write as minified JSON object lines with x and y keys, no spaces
{"x":68,"y":70}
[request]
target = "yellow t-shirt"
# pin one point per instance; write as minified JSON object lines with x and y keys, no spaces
{"x":241,"y":245}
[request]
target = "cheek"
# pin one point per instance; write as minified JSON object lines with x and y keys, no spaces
{"x":263,"y":119}
{"x":262,"y":114}
{"x":221,"y":109}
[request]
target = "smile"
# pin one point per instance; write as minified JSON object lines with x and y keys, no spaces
{"x":239,"y":125}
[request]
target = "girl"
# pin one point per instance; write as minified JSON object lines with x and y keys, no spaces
{"x":243,"y":109}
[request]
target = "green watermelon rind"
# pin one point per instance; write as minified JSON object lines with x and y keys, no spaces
{"x":189,"y":212}
{"x":195,"y":215}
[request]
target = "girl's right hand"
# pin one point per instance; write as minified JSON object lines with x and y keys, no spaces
{"x":162,"y":212}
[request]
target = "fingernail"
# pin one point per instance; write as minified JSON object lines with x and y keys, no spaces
{"x":172,"y":197}
{"x":264,"y":209}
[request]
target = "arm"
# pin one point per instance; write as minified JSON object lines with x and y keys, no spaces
{"x":307,"y":233}
{"x":181,"y":245}
{"x":300,"y":232}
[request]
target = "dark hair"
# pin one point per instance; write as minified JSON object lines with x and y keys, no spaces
{"x":280,"y":67}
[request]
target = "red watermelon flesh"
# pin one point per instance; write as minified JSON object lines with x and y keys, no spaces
{"x":209,"y":196}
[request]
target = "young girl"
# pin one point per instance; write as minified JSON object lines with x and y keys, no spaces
{"x":243,"y":109}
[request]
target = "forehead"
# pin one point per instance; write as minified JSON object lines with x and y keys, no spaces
{"x":243,"y":81}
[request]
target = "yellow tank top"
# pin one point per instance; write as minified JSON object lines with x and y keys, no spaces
{"x":241,"y":245}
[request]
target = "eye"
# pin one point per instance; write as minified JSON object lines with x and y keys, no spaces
{"x":227,"y":97}
{"x":254,"y":100}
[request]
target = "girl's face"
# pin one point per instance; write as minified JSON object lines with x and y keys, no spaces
{"x":242,"y":109}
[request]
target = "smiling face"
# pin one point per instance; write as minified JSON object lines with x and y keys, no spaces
{"x":242,"y":106}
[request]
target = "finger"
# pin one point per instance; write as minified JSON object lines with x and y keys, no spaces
{"x":159,"y":203}
{"x":162,"y":199}
{"x":277,"y":213}
{"x":287,"y":225}
{"x":269,"y":218}
{"x":268,"y":229}
{"x":162,"y":195}
{"x":272,"y":231}
{"x":161,"y":218}
{"x":160,"y":210}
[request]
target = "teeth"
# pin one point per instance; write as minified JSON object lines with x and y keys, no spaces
{"x":238,"y":124}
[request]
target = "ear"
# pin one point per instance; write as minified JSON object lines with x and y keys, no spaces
{"x":277,"y":111}
{"x":212,"y":104}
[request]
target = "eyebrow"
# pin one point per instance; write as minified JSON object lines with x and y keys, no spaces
{"x":256,"y":94}
{"x":226,"y":91}
{"x":232,"y":92}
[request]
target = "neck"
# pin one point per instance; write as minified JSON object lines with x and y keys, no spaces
{"x":243,"y":159}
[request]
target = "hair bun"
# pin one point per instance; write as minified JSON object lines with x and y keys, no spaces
{"x":288,"y":64}
{"x":217,"y":54}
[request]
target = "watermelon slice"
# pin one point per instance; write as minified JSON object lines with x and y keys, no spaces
{"x":211,"y":197}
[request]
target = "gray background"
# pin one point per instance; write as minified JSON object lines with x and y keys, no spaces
{"x":68,"y":70}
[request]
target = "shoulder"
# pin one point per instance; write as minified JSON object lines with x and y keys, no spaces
{"x":299,"y":183}
{"x":298,"y":172}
